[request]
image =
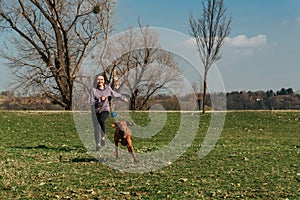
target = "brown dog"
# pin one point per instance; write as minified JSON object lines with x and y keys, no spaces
{"x":123,"y":135}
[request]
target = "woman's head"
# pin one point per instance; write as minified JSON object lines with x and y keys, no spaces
{"x":100,"y":79}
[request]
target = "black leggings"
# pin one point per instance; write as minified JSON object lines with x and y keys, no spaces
{"x":100,"y":120}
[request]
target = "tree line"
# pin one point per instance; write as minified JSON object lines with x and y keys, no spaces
{"x":283,"y":99}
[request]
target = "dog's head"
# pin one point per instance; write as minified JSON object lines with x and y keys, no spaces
{"x":122,"y":125}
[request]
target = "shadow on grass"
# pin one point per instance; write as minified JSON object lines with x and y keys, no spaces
{"x":44,"y":147}
{"x":64,"y":149}
{"x":79,"y":160}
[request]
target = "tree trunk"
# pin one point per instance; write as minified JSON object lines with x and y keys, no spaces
{"x":204,"y":96}
{"x":66,"y":94}
{"x":65,"y":87}
{"x":133,"y":100}
{"x":204,"y":90}
{"x":68,"y":99}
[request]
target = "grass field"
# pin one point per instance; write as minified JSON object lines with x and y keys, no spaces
{"x":256,"y":157}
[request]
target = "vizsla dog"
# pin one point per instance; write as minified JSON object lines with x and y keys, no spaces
{"x":123,"y":135}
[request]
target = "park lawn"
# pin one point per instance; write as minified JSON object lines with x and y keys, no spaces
{"x":256,"y":157}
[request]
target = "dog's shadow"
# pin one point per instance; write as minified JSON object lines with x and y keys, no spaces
{"x":83,"y":160}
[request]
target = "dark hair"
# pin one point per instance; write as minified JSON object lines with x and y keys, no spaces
{"x":100,"y":74}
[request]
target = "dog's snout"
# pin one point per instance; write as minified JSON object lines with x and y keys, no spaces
{"x":122,"y":126}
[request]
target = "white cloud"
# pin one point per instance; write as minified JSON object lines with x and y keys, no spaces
{"x":236,"y":49}
{"x":298,"y":20}
{"x":242,"y":41}
{"x":189,"y":43}
{"x":285,"y":22}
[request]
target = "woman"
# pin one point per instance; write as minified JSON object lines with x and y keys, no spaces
{"x":99,"y":99}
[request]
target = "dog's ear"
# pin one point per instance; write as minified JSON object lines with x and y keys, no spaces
{"x":129,"y":123}
{"x":114,"y":124}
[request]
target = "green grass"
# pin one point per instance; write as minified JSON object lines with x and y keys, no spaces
{"x":256,"y":157}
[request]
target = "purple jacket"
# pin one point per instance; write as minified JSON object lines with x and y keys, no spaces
{"x":96,"y":95}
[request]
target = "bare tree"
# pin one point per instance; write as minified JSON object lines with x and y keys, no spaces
{"x":209,"y":31}
{"x":48,"y":40}
{"x":139,"y":67}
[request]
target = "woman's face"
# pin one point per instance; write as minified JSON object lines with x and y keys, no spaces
{"x":100,"y":80}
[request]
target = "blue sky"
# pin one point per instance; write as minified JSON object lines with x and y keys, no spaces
{"x":262,"y":51}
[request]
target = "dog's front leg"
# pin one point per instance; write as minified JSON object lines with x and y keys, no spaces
{"x":131,"y":150}
{"x":116,"y":150}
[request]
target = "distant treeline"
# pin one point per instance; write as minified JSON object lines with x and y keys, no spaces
{"x":284,"y":99}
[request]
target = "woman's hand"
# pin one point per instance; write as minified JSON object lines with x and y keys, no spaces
{"x":103,"y":98}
